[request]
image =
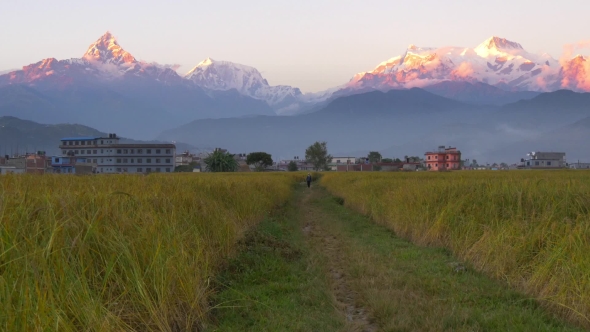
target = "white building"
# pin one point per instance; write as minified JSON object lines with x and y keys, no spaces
{"x":579,"y":165}
{"x":545,"y":160}
{"x":110,"y":156}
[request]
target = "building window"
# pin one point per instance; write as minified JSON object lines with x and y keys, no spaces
{"x":118,"y":161}
{"x":95,"y":161}
{"x":118,"y":151}
{"x":536,"y":163}
{"x":101,"y":151}
{"x":447,"y":165}
{"x":157,"y":151}
{"x":119,"y":170}
{"x":157,"y":160}
{"x":131,"y":151}
{"x":83,"y":143}
{"x":88,"y":152}
{"x":447,"y":157}
{"x":82,"y":151}
{"x":548,"y":163}
{"x":131,"y":161}
{"x":148,"y":161}
{"x":338,"y":161}
{"x":148,"y":169}
{"x":125,"y":151}
{"x":428,"y":157}
{"x":167,"y":161}
{"x":139,"y":151}
{"x":139,"y":160}
{"x":139,"y":170}
{"x":101,"y":142}
{"x":435,"y":165}
{"x":436,"y":157}
{"x":101,"y":161}
{"x":95,"y":152}
{"x":167,"y":170}
{"x":124,"y":160}
{"x":168,"y":151}
{"x":148,"y":151}
{"x":157,"y":170}
{"x":70,"y":143}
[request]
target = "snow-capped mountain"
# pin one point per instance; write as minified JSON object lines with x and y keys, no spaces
{"x":109,"y":89}
{"x":224,"y":75}
{"x":496,"y":61}
{"x":104,"y":60}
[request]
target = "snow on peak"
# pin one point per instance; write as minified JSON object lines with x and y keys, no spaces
{"x":496,"y":45}
{"x":206,"y":62}
{"x":107,"y":50}
{"x":224,"y":75}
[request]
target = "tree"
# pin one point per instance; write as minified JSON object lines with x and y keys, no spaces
{"x":292,"y":167}
{"x":397,"y":160}
{"x":387,"y":160}
{"x":474,"y":163}
{"x":220,"y":161}
{"x":260,"y":160}
{"x":374,"y":157}
{"x":317,"y":155}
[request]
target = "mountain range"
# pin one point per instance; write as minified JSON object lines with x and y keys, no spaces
{"x":418,"y":99}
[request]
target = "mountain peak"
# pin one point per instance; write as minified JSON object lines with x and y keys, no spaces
{"x":107,"y":50}
{"x":206,"y":62}
{"x":500,"y":44}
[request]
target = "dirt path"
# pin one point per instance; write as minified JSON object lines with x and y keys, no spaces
{"x":323,"y":267}
{"x":358,"y":318}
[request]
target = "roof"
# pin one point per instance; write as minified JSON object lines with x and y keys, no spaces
{"x":81,"y":138}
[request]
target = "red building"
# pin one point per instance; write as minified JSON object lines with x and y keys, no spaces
{"x":443,"y":159}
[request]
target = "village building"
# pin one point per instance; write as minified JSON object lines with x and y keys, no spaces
{"x":544,"y":160}
{"x":111,"y":156}
{"x":443,"y":159}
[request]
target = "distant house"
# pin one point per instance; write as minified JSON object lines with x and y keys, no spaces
{"x":343,"y":160}
{"x":443,"y":159}
{"x":72,"y":165}
{"x":544,"y":160}
{"x":579,"y":165}
{"x":33,"y":163}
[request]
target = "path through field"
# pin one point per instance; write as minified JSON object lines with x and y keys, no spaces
{"x":321,"y":267}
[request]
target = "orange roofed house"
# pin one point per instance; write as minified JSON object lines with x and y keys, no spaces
{"x":443,"y":159}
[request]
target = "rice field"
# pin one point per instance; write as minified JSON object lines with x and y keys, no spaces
{"x":124,"y":252}
{"x":530,"y":229}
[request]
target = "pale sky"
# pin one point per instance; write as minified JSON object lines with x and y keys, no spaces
{"x":310,"y":44}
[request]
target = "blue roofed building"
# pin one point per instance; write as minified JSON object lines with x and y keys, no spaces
{"x":109,"y":155}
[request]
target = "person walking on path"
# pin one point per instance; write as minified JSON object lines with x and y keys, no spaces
{"x":308,"y":179}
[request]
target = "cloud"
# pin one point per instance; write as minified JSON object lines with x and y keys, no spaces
{"x":465,"y":70}
{"x":576,"y":70}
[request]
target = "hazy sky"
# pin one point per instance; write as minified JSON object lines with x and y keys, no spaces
{"x":311,"y":44}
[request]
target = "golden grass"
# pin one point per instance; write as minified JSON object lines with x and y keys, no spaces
{"x":531,"y":229}
{"x":124,"y":252}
